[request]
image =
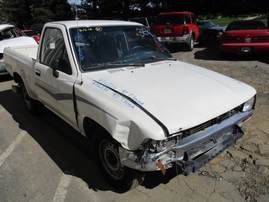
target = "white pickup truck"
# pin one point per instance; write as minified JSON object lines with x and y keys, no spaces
{"x":141,"y":109}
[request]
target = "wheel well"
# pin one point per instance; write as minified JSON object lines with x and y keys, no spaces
{"x":89,"y":126}
{"x":193,"y":34}
{"x":17,"y":78}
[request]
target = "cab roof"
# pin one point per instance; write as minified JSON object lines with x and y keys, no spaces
{"x":89,"y":23}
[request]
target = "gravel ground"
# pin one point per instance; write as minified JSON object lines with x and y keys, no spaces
{"x":46,"y":164}
{"x":246,"y":164}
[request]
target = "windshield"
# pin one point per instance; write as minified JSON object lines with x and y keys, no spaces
{"x":116,"y":46}
{"x":172,"y":19}
{"x":246,"y":25}
{"x":11,"y":32}
{"x":207,"y":24}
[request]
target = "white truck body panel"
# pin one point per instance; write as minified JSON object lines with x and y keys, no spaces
{"x":23,"y":58}
{"x":18,"y":41}
{"x":198,"y":102}
{"x":27,"y":50}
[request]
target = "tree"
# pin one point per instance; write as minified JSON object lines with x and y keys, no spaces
{"x":15,"y":12}
{"x":23,"y":13}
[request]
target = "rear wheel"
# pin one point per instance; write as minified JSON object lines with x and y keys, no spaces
{"x":106,"y":153}
{"x":33,"y":106}
{"x":190,"y":44}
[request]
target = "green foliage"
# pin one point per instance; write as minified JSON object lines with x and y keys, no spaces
{"x":15,"y":12}
{"x":23,"y":13}
{"x":223,"y":21}
{"x":41,"y":15}
{"x":226,"y":20}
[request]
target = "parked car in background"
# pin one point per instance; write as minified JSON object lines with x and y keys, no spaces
{"x":147,"y":21}
{"x":176,"y":28}
{"x":210,"y":31}
{"x":37,"y":27}
{"x":33,"y":34}
{"x":245,"y":37}
{"x":11,"y":35}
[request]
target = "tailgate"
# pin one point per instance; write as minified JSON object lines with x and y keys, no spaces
{"x":168,"y":30}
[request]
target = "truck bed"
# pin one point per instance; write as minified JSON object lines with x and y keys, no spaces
{"x":21,"y":60}
{"x":30,"y":50}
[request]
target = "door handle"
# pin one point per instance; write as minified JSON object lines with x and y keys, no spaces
{"x":38,"y":72}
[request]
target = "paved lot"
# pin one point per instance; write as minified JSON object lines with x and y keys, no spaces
{"x":43,"y":159}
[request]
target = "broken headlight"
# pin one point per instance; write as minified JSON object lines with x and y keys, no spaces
{"x":154,"y":146}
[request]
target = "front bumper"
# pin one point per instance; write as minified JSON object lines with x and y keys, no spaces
{"x":192,"y":152}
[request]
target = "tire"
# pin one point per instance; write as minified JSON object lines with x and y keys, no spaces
{"x":34,"y":107}
{"x":105,"y":151}
{"x":222,"y":55}
{"x":212,"y":37}
{"x":190,"y":44}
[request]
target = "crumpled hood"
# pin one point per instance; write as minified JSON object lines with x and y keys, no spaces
{"x":17,"y":41}
{"x":178,"y":94}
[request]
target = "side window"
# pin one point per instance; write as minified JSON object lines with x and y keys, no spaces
{"x":188,"y":20}
{"x":53,"y":51}
{"x":6,"y":34}
{"x":193,"y":19}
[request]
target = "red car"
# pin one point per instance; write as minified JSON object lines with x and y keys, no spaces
{"x":176,"y":28}
{"x":33,"y":34}
{"x":245,"y":37}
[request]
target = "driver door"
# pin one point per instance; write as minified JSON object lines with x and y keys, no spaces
{"x":54,"y":77}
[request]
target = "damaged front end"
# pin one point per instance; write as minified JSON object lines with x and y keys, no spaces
{"x":190,"y":149}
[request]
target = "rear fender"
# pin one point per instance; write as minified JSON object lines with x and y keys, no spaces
{"x":18,"y":79}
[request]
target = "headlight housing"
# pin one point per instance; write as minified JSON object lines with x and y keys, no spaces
{"x":248,"y":105}
{"x":154,"y":146}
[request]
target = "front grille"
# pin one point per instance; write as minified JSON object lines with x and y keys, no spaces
{"x":216,"y":120}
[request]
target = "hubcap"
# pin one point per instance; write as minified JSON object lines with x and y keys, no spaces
{"x":192,"y":43}
{"x":110,"y":160}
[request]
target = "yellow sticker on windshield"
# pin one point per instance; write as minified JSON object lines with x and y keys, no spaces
{"x":98,"y":29}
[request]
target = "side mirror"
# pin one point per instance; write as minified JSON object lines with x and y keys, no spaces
{"x":60,"y":65}
{"x":55,"y":67}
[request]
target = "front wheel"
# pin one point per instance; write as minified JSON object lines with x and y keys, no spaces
{"x":33,"y":106}
{"x":106,"y":153}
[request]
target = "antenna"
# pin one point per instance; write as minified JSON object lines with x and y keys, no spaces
{"x":76,"y":10}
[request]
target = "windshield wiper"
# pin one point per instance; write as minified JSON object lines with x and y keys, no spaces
{"x":116,"y":64}
{"x":153,"y":58}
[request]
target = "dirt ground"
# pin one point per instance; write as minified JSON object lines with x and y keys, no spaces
{"x":246,"y":164}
